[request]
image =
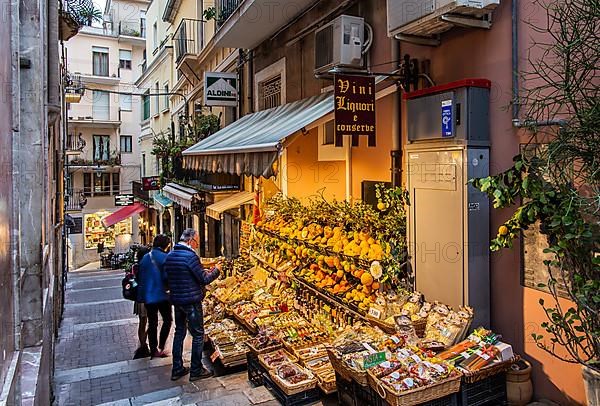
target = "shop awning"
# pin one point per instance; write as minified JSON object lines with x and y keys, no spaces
{"x":179,"y":194}
{"x":233,"y":201}
{"x":161,"y":201}
{"x":252,"y":144}
{"x":122,"y":214}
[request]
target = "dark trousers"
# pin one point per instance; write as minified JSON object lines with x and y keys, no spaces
{"x":188,"y":317}
{"x":152,"y":310}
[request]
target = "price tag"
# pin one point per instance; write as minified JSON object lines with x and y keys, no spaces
{"x":484,"y":356}
{"x":395,"y":375}
{"x":416,"y":358}
{"x":374,"y":359}
{"x":465,"y":355}
{"x":374,"y":312}
{"x":402,"y":353}
{"x":369,"y":348}
{"x":438,"y":368}
{"x":386,"y":364}
{"x":409,"y":382}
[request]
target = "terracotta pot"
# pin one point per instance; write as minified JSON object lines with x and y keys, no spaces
{"x":591,"y":382}
{"x":519,"y":389}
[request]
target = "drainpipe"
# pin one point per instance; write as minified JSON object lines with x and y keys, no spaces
{"x":348,"y":158}
{"x":396,"y":153}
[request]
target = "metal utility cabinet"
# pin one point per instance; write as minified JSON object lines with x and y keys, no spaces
{"x":448,"y":223}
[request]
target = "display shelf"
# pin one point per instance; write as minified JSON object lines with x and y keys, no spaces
{"x":329,"y":298}
{"x":299,"y":399}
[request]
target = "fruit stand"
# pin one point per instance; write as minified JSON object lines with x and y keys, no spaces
{"x":321,"y":302}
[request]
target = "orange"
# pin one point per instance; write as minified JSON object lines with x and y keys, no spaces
{"x":366,"y":279}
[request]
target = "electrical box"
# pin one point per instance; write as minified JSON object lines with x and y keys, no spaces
{"x":340,"y":43}
{"x":448,"y":221}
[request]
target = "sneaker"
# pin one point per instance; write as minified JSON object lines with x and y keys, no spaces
{"x":141,"y":352}
{"x":176,"y":375}
{"x":205,"y":373}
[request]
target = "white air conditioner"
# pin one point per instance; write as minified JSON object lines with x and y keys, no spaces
{"x":401,"y":13}
{"x":340,"y":43}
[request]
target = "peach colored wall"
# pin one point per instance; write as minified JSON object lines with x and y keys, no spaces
{"x":306,"y":175}
{"x":516,"y":313}
{"x":373,"y":163}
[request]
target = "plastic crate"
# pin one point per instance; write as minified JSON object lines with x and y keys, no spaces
{"x":450,"y":400}
{"x":255,"y":370}
{"x":487,"y":392}
{"x":299,"y":399}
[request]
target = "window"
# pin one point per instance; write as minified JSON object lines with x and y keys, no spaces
{"x":87,"y":184}
{"x":329,"y":133}
{"x":100,"y":61}
{"x":166,"y":97}
{"x":143,"y":165}
{"x":101,"y":184}
{"x":101,"y":147}
{"x":155,"y":36}
{"x":145,"y":106}
{"x":269,"y":93}
{"x":125,"y":59}
{"x":156,"y":98}
{"x":143,"y":24}
{"x":100,"y":105}
{"x":116,"y":184}
{"x":126,"y":143}
{"x":125,"y":102}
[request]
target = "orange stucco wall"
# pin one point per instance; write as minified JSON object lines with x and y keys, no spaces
{"x":305,"y":175}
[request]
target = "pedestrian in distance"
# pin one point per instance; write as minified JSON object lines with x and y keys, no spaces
{"x":138,"y":309}
{"x":187,"y":280}
{"x":152,"y":291}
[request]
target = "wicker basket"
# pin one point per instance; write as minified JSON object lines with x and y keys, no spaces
{"x":261,"y":360}
{"x":294,"y":389}
{"x":496,"y":368}
{"x":416,"y":396}
{"x":387,"y":328}
{"x":243,"y":322}
{"x":349,"y":374}
{"x":262,"y":350}
{"x":328,"y":387}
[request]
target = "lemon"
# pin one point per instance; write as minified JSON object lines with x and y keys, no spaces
{"x":502,"y":230}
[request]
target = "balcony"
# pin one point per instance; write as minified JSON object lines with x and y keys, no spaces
{"x":73,"y":15}
{"x":112,"y":161}
{"x":188,"y":40}
{"x":75,"y":199}
{"x":75,"y":144}
{"x":247,"y":23}
{"x":131,"y":32}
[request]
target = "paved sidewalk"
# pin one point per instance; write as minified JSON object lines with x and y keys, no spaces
{"x":94,"y":366}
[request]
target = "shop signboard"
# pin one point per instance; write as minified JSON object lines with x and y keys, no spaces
{"x":220,"y":89}
{"x":77,"y":226}
{"x":354,"y":108}
{"x":151,"y":183}
{"x":374,"y":359}
{"x":447,"y":118}
{"x":124,"y":200}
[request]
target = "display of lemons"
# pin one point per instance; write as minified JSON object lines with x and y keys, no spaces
{"x":381,"y":206}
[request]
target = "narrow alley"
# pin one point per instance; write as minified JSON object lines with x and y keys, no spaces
{"x":94,"y":351}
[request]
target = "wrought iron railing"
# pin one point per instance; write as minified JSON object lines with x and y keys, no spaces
{"x":80,"y":11}
{"x":131,"y":29}
{"x":188,"y":38}
{"x":224,"y":9}
{"x":75,"y":143}
{"x":75,"y":199}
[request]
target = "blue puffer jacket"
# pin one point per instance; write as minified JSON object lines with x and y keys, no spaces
{"x":152,"y":279}
{"x":187,"y":278}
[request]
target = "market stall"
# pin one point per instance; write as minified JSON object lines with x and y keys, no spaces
{"x":323,"y":302}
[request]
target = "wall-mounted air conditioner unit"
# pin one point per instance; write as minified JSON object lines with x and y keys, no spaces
{"x":340,"y":43}
{"x":430,"y":17}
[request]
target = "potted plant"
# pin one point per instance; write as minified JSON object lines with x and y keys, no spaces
{"x":555,"y":183}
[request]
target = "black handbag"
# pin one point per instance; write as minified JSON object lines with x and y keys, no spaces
{"x":130,"y":286}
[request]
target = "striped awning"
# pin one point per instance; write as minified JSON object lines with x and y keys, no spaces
{"x":181,"y":195}
{"x":231,"y":202}
{"x":252,"y":144}
{"x":122,"y":214}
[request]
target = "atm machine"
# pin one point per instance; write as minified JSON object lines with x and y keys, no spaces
{"x":448,"y":222}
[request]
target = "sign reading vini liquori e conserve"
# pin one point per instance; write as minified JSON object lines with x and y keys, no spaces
{"x":220,"y":89}
{"x":354,"y":108}
{"x":124,"y":200}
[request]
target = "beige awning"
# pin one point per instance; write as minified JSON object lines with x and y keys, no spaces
{"x":252,"y":144}
{"x":236,"y":200}
{"x":180,"y":194}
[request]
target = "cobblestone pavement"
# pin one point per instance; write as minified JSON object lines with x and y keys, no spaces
{"x":94,"y":365}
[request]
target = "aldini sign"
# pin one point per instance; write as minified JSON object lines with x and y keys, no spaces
{"x":220,"y":89}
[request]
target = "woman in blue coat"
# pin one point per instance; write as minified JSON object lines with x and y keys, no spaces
{"x":152,"y":291}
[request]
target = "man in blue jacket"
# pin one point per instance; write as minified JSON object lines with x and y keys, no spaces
{"x":152,"y":291}
{"x":187,"y":280}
